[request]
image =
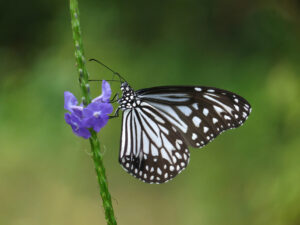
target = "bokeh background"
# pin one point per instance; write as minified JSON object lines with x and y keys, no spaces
{"x":246,"y":176}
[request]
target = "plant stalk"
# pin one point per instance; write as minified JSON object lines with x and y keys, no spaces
{"x":86,"y":99}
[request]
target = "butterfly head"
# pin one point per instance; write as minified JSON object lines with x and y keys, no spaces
{"x":128,"y":99}
{"x":124,"y":86}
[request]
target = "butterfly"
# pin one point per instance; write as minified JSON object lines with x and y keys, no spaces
{"x":160,"y":123}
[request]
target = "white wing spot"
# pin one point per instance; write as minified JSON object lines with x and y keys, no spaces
{"x":218,"y":109}
{"x":178,"y":155}
{"x":227,"y":117}
{"x":194,"y":136}
{"x":215,"y":120}
{"x":205,"y":111}
{"x":196,"y":121}
{"x":172,"y":168}
{"x":185,"y":110}
{"x":198,"y":89}
{"x":236,"y":100}
{"x":174,"y":159}
{"x":179,"y":141}
{"x":237,"y":107}
{"x":185,"y":156}
{"x":205,"y":129}
{"x":159,"y":171}
{"x":211,"y":90}
{"x":195,"y":105}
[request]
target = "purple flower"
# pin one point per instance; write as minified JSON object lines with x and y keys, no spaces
{"x":94,"y":116}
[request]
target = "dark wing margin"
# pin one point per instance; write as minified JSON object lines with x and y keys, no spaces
{"x":200,"y":114}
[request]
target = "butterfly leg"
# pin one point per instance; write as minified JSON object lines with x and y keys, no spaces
{"x":115,"y":115}
{"x":115,"y":98}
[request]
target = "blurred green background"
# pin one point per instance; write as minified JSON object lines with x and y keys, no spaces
{"x":246,"y":176}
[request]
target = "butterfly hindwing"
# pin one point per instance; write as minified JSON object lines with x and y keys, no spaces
{"x":150,"y":150}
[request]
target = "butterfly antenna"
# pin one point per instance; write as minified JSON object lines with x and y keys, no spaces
{"x":115,"y":73}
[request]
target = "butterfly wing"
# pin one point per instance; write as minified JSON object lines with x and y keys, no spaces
{"x":157,"y":132}
{"x":199,"y":113}
{"x":150,"y":150}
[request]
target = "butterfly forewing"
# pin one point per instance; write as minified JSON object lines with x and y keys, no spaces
{"x":199,"y":113}
{"x":160,"y":123}
{"x":150,"y":151}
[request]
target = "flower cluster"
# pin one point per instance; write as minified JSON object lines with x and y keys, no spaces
{"x":94,"y":116}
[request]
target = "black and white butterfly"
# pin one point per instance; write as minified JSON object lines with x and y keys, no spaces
{"x":160,"y":123}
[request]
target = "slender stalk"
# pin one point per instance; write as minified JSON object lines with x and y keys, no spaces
{"x":86,"y":99}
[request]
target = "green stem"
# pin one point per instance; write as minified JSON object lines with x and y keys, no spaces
{"x":86,"y":99}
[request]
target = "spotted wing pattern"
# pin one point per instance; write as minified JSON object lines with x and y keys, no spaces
{"x":150,"y":151}
{"x":157,"y":131}
{"x":199,"y":113}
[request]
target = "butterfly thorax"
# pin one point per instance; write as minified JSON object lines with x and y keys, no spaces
{"x":129,"y":99}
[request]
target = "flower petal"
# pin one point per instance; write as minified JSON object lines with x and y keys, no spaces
{"x":100,"y":122}
{"x":70,"y":101}
{"x":77,"y":126}
{"x":77,"y":110}
{"x":106,"y":93}
{"x":96,"y":115}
